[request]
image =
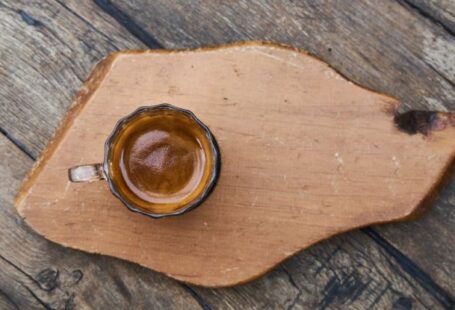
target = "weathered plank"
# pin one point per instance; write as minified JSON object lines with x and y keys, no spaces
{"x":441,"y":11}
{"x":347,"y":271}
{"x":281,"y":205}
{"x":46,"y":52}
{"x":39,"y":101}
{"x":6,"y":304}
{"x":430,"y":241}
{"x":35,"y":272}
{"x":384,"y":45}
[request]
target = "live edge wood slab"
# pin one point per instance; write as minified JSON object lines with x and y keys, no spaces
{"x":306,"y":154}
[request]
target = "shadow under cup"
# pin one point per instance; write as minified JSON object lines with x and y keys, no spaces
{"x":161,"y":161}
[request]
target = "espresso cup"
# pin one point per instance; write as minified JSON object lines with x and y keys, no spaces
{"x":159,"y":161}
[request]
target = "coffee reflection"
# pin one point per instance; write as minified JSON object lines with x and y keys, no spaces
{"x":160,"y":160}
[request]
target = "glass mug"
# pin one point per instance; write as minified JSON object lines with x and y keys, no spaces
{"x":159,"y":161}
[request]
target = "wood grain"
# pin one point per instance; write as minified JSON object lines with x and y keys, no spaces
{"x":46,"y":77}
{"x":334,"y":274}
{"x":382,"y":45}
{"x":385,"y":45}
{"x":440,"y":11}
{"x":37,"y":274}
{"x":347,"y":271}
{"x":430,"y":240}
{"x":433,"y":245}
{"x":47,"y":50}
{"x":262,"y":201}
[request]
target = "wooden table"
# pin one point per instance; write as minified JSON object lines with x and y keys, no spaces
{"x":405,"y":48}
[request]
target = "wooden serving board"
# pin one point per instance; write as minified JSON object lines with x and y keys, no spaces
{"x":305,"y":153}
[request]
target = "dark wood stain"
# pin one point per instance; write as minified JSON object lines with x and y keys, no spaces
{"x":344,"y":291}
{"x":403,"y":303}
{"x":48,"y":279}
{"x":76,"y":276}
{"x":29,"y":20}
{"x":423,"y":122}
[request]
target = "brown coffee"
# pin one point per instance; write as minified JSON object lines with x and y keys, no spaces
{"x":161,"y":160}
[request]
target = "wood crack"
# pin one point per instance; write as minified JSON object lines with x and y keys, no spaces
{"x":30,"y":20}
{"x":204,"y":305}
{"x":18,"y":144}
{"x":89,"y":24}
{"x":410,"y":5}
{"x":294,"y":284}
{"x":128,"y":23}
{"x":445,"y":78}
{"x":18,"y":269}
{"x":375,"y":302}
{"x":45,"y":305}
{"x":40,"y":301}
{"x":412,"y":269}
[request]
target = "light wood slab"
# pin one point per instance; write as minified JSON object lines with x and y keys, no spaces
{"x":306,"y":154}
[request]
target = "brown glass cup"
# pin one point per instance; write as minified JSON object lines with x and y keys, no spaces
{"x":159,"y":161}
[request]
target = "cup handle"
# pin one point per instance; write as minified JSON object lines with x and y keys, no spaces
{"x":86,"y":173}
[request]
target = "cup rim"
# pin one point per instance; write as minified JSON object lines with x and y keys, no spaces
{"x":214,"y":172}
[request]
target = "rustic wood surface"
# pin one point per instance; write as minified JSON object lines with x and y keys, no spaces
{"x":267,"y":106}
{"x":403,"y":48}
